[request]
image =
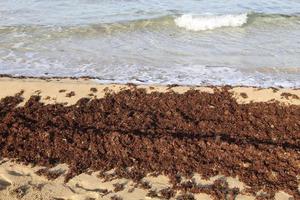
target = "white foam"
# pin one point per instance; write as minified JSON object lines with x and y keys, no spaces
{"x":210,"y":22}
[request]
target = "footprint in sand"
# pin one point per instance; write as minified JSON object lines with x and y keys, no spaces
{"x":14,"y":173}
{"x":4,"y":183}
{"x":20,"y":191}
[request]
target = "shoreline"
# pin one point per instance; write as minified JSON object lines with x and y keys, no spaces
{"x":243,"y":133}
{"x":139,"y":82}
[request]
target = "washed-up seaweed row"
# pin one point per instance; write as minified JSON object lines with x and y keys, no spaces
{"x":166,"y":133}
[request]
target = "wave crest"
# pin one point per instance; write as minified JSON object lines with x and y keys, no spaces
{"x":202,"y":23}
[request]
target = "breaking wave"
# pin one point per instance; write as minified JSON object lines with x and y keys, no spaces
{"x":193,"y":22}
{"x":210,"y":22}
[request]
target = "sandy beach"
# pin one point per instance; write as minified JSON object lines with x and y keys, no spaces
{"x":78,"y":139}
{"x":150,"y":99}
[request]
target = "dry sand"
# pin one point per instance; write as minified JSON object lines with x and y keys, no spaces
{"x":18,"y":181}
{"x":50,"y":90}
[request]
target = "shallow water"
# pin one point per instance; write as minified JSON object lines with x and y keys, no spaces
{"x":249,"y":42}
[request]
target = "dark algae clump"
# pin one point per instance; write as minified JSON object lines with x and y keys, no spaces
{"x":162,"y":133}
{"x":70,"y":94}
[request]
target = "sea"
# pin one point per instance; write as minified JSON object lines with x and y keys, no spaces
{"x":189,"y":42}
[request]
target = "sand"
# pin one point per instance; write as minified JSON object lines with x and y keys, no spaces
{"x":19,"y":181}
{"x":49,"y":89}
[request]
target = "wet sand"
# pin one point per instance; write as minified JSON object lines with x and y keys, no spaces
{"x":111,"y":130}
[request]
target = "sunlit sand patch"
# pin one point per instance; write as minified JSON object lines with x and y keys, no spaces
{"x":86,"y":186}
{"x":58,"y":90}
{"x":19,"y":180}
{"x":266,"y":95}
{"x":283,"y":196}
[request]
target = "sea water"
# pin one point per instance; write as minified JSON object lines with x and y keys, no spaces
{"x":237,"y":42}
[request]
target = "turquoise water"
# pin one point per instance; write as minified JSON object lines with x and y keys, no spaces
{"x":239,"y":42}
